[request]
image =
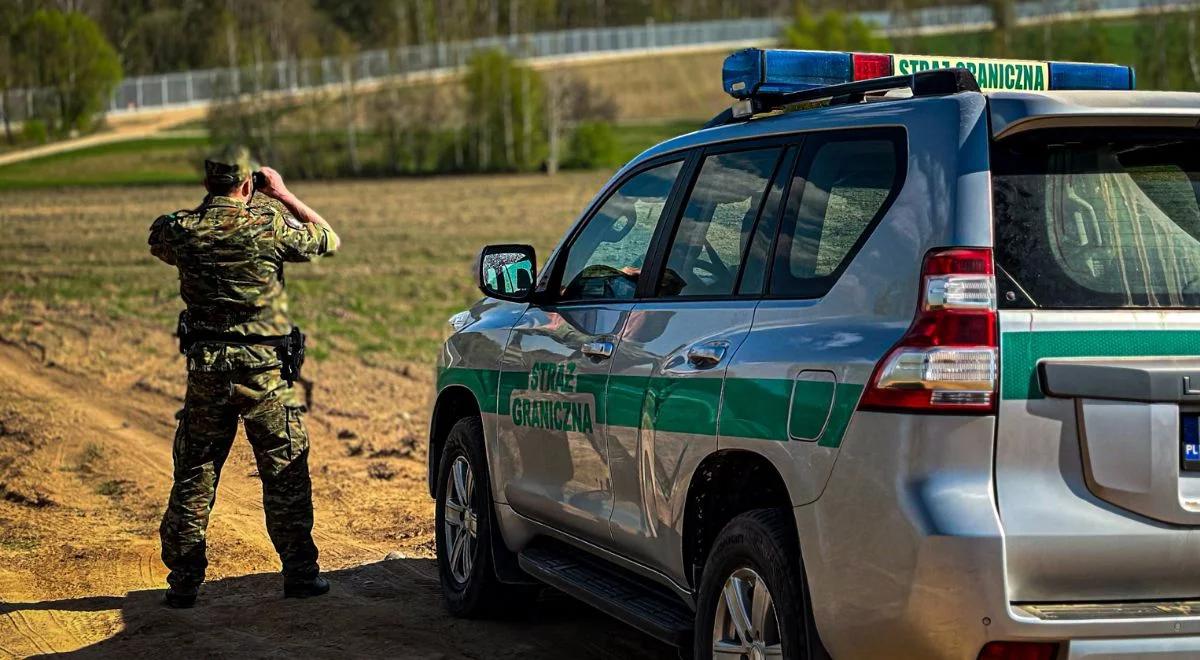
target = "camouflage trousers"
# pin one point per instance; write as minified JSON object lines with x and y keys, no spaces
{"x":207,"y":425}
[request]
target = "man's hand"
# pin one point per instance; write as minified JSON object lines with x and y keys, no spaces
{"x":275,"y":186}
{"x":299,"y":210}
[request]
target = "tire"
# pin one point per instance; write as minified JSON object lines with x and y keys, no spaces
{"x":756,"y":549}
{"x":467,"y":573}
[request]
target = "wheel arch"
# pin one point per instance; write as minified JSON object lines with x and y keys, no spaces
{"x":725,"y":484}
{"x":454,"y":402}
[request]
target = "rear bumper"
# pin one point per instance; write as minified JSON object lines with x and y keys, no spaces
{"x":905,"y":556}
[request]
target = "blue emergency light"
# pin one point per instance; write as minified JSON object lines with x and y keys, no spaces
{"x":758,"y":73}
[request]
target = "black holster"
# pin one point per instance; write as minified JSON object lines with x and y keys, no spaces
{"x":291,"y":355}
{"x":183,"y":332}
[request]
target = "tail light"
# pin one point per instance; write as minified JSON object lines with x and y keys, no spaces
{"x":946,"y":361}
{"x":1019,"y":651}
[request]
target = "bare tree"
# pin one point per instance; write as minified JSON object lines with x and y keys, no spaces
{"x":350,"y":105}
{"x":555,"y":96}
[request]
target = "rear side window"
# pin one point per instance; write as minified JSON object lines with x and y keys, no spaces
{"x":843,"y":185}
{"x":1098,"y":219}
{"x":709,"y":243}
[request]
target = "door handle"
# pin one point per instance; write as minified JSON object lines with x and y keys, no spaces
{"x":598,"y":350}
{"x":707,"y":355}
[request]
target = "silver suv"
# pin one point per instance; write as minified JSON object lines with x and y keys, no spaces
{"x":873,"y":366}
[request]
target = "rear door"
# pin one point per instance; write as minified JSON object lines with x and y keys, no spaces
{"x":1098,"y":269}
{"x":665,"y":386}
{"x":792,"y":387}
{"x":552,"y":447}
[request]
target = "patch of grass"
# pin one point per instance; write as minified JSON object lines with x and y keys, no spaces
{"x":1119,"y":35}
{"x":149,"y":161}
{"x":113,"y":487}
{"x":404,"y":266}
{"x":19,"y":544}
{"x":176,"y":159}
{"x":381,"y":471}
{"x":633,"y":139}
{"x":86,"y":458}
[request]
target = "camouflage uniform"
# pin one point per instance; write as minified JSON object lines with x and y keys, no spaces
{"x":230,"y":259}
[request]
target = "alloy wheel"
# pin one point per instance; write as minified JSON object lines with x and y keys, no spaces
{"x":460,"y":520}
{"x":745,"y":626}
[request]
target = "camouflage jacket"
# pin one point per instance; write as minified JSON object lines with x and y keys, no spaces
{"x":230,"y":258}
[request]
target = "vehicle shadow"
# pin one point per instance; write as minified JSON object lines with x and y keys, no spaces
{"x":391,"y":608}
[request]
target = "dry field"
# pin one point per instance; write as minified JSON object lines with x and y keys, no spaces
{"x":90,"y":379}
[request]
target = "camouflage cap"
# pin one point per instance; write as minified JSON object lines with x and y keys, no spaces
{"x":230,"y":166}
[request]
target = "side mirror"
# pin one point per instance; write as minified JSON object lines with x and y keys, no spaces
{"x":506,"y":272}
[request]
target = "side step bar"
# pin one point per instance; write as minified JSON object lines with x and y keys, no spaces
{"x":645,"y":606}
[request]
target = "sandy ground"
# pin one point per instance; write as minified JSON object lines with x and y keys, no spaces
{"x":86,"y":468}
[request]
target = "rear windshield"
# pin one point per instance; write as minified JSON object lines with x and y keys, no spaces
{"x":1098,"y":219}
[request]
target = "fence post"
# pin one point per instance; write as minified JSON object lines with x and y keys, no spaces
{"x":191,"y":94}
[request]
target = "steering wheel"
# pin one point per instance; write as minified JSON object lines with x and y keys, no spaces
{"x":602,"y":274}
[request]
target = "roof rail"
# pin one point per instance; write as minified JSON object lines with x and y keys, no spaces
{"x":936,"y":82}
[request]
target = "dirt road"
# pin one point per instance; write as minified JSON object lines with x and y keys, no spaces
{"x":85,"y":464}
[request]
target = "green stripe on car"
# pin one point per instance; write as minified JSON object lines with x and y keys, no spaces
{"x":1020,"y":351}
{"x":753,"y":408}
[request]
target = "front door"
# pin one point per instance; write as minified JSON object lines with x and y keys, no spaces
{"x":552,"y":443}
{"x":666,"y":380}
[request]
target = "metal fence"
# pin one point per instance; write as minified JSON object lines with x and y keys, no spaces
{"x":201,"y":87}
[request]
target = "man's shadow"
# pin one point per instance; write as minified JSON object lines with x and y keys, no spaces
{"x":391,"y":608}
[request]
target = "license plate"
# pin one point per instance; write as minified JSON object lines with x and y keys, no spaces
{"x":1189,"y":451}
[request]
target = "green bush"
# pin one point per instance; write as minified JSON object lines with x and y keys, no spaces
{"x":832,"y":30}
{"x":34,"y":132}
{"x":506,"y":125}
{"x":593,"y":145}
{"x":67,"y":53}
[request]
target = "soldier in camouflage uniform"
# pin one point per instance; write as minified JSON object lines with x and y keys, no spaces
{"x":230,"y":254}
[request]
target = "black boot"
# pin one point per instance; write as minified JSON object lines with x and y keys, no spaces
{"x":182,"y":596}
{"x":306,"y":587}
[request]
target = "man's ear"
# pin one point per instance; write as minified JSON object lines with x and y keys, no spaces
{"x":248,"y":188}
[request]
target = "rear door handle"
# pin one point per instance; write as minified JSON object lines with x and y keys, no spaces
{"x":707,"y":355}
{"x":598,"y":350}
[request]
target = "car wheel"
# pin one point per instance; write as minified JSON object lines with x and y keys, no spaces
{"x":464,"y":526}
{"x":753,"y":601}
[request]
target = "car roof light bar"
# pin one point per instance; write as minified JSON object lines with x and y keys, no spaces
{"x":926,"y":83}
{"x":755,"y":72}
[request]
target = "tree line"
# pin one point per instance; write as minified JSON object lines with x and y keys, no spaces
{"x":74,"y":52}
{"x":501,"y":115}
{"x":156,"y":36}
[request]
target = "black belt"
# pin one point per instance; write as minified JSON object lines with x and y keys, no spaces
{"x":289,"y":348}
{"x":199,"y":337}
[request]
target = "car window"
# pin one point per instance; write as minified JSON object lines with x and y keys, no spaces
{"x":841,"y":187}
{"x":710,"y":241}
{"x":758,"y":252}
{"x":1099,"y":218}
{"x":607,"y":257}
